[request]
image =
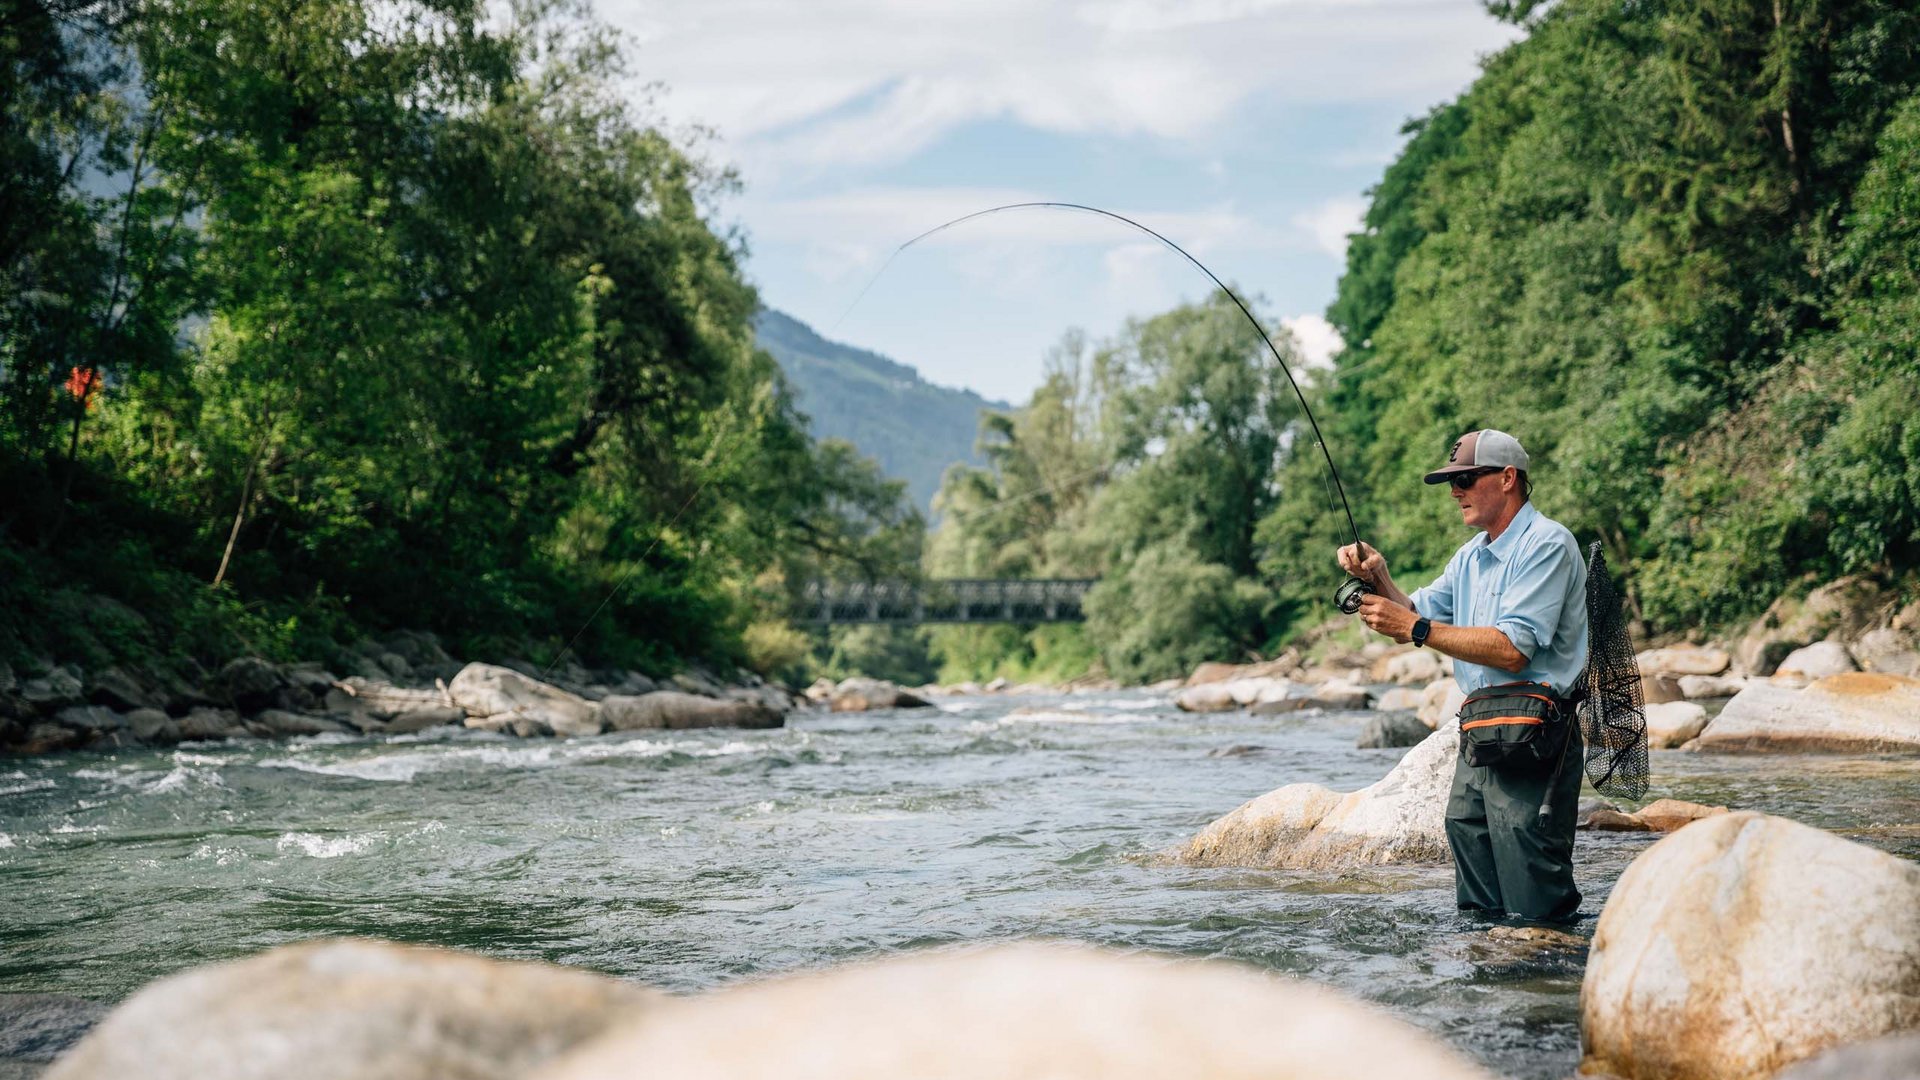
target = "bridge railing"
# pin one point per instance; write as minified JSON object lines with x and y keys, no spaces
{"x":950,"y":600}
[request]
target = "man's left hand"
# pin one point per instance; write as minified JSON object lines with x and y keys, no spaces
{"x":1384,"y":616}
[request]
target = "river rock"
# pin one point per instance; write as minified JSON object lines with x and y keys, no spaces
{"x":1280,"y":706}
{"x":1890,"y":1057}
{"x":487,"y":691}
{"x":1664,"y":815}
{"x":1889,"y":651}
{"x":333,"y":1009}
{"x":821,"y":691}
{"x":1416,"y":668}
{"x":249,"y":683}
{"x":39,"y":1027}
{"x":1660,"y":688}
{"x":1842,"y":609}
{"x":422,"y":719}
{"x":1696,"y":687}
{"x":153,"y":726}
{"x":1674,"y":723}
{"x":1392,"y":729}
{"x":1019,"y":1011}
{"x":1401,"y":699}
{"x":384,"y":701}
{"x":280,"y":722}
{"x":117,"y":689}
{"x":675,"y":710}
{"x":1679,"y":660}
{"x":208,"y":723}
{"x":1340,"y":694}
{"x":1814,"y":662}
{"x":863,"y":695}
{"x":1440,"y":702}
{"x":92,"y":719}
{"x":1400,"y":819}
{"x":1857,"y":712}
{"x":53,"y":691}
{"x":1206,"y":697}
{"x":1744,"y":943}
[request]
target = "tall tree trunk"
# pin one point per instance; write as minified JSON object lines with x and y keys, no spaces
{"x":240,"y":511}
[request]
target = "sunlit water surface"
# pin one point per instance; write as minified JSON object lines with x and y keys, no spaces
{"x":691,"y":859}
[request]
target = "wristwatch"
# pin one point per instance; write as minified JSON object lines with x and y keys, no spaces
{"x":1421,"y":628}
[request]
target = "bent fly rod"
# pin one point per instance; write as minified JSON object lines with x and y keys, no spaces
{"x":1347,"y":597}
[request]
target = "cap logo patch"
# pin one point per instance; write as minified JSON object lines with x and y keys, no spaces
{"x":1453,"y":455}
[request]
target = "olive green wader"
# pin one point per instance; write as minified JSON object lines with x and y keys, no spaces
{"x":1506,"y":861}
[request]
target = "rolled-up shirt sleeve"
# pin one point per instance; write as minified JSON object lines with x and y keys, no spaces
{"x":1436,"y":600}
{"x":1535,"y":592}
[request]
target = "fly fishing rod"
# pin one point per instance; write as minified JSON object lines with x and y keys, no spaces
{"x":1347,"y":597}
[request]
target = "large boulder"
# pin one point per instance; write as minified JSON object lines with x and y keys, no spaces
{"x":1744,"y":943}
{"x":384,"y":701}
{"x":1858,"y":712}
{"x":675,"y":710}
{"x":333,"y":1009}
{"x":863,"y":695}
{"x":1401,"y":699}
{"x":1684,"y":660}
{"x":1028,"y":1010}
{"x":1894,"y":652}
{"x":1674,"y":723}
{"x":521,"y":704}
{"x":1400,"y":819}
{"x":1339,"y":694}
{"x":1842,"y":609}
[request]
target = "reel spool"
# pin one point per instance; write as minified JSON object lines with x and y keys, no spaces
{"x":1347,"y":597}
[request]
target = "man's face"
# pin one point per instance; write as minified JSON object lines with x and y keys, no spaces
{"x":1482,"y":498}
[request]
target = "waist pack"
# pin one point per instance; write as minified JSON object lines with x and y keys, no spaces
{"x":1519,"y":726}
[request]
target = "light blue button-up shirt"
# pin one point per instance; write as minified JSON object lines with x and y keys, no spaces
{"x":1531,"y":584}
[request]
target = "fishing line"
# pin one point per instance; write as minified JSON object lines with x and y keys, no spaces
{"x":1348,"y":597}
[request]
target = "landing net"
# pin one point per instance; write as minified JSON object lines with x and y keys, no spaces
{"x":1613,"y":719}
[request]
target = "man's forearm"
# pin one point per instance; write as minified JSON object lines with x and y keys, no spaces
{"x":1484,"y":645}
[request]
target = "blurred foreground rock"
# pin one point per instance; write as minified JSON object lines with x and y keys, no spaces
{"x":1400,"y":819}
{"x":1018,"y":1011}
{"x":1744,"y":943}
{"x":352,"y":1009}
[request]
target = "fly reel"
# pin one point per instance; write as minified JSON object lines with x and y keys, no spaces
{"x":1347,"y":598}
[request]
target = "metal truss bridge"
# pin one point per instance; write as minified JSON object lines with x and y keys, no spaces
{"x":952,"y":600}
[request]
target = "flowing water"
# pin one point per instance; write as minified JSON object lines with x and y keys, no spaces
{"x":690,"y":859}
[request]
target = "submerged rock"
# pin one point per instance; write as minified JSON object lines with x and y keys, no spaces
{"x":1664,"y":815}
{"x":675,"y":710}
{"x":36,"y":1028}
{"x":1028,"y":1010}
{"x":1745,"y":943}
{"x":333,"y":1009}
{"x":1858,"y":712}
{"x":1400,"y":819}
{"x":504,"y":699}
{"x":1891,"y":1057}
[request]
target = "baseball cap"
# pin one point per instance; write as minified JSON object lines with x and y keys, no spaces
{"x":1483,"y":449}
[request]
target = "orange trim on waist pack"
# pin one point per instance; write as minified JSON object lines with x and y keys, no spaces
{"x":1483,"y":695}
{"x":1495,"y":721}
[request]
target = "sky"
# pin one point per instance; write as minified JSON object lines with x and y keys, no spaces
{"x":1247,"y":131}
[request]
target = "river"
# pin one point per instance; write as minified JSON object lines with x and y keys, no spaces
{"x":690,"y":859}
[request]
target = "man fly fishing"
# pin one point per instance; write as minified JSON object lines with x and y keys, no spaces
{"x":1511,"y":609}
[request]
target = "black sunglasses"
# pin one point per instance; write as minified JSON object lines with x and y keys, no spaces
{"x":1461,"y":481}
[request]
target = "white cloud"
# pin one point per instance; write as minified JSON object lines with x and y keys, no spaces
{"x":1331,"y":222}
{"x":806,"y":85}
{"x":1317,"y":338}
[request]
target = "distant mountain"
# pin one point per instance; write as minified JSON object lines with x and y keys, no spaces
{"x":913,"y":428}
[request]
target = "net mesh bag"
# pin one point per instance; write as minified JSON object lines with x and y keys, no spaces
{"x":1613,"y":719}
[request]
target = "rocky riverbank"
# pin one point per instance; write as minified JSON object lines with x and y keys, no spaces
{"x":404,"y":684}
